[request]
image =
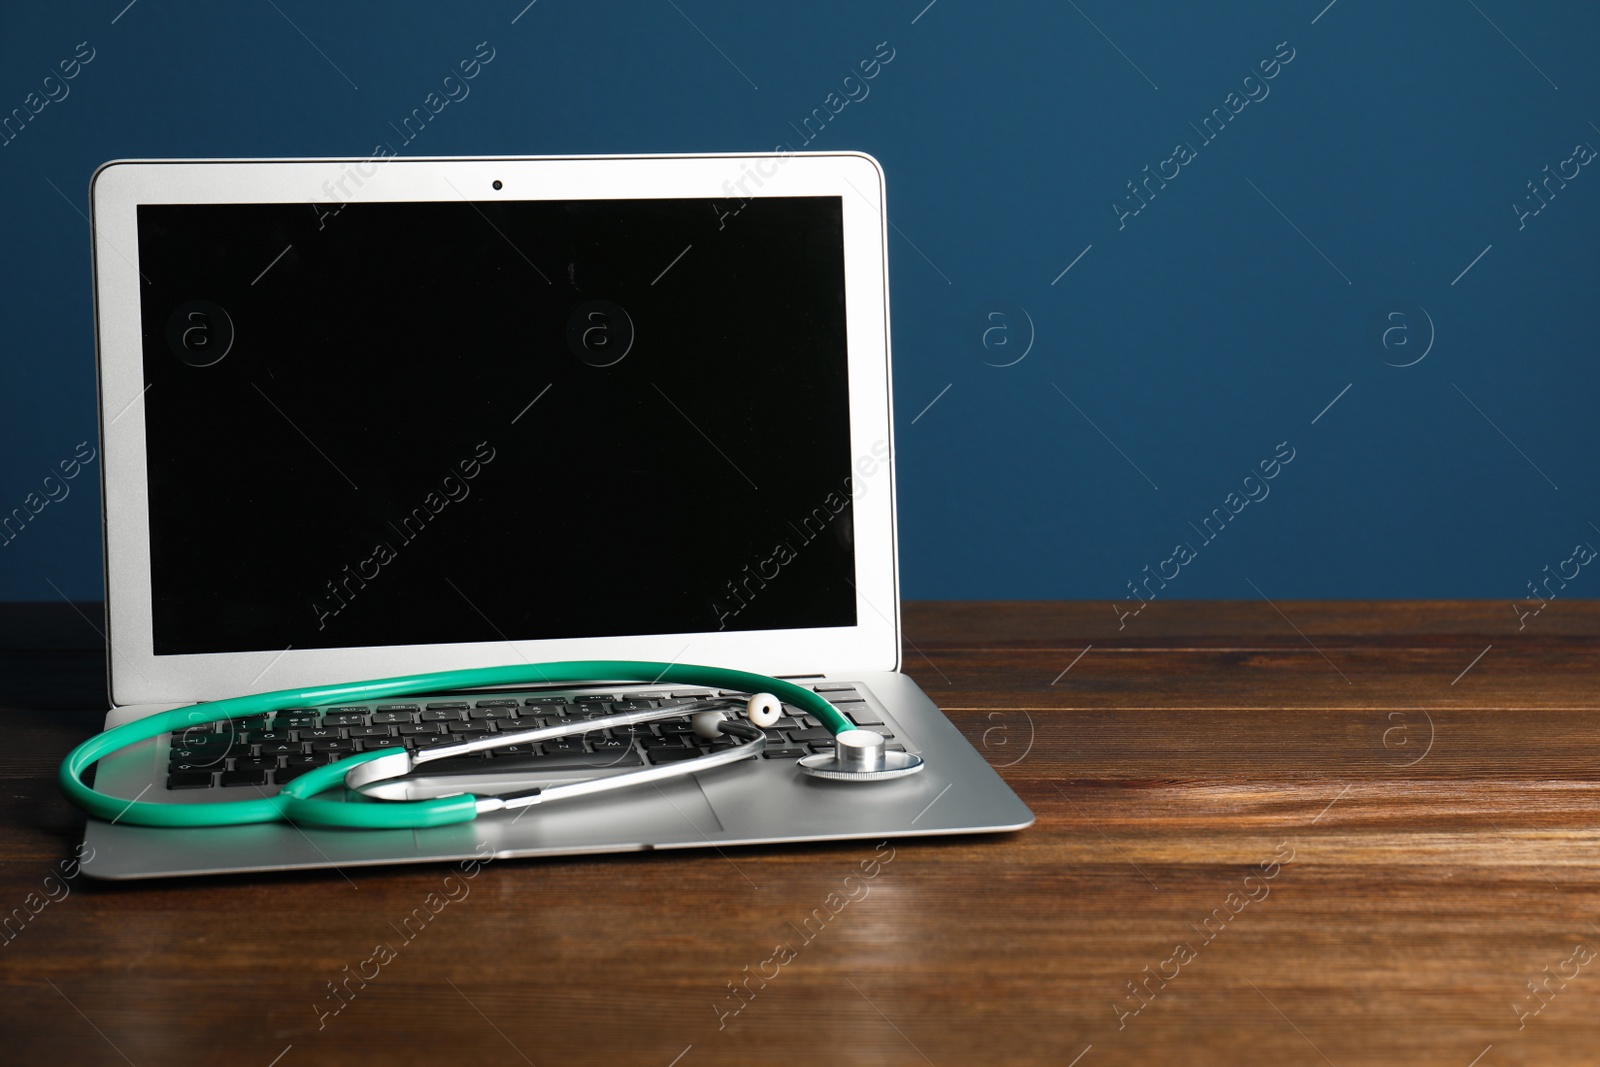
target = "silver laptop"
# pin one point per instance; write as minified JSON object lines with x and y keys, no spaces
{"x":369,"y":417}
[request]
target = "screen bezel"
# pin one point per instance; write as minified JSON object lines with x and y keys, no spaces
{"x":137,"y":675}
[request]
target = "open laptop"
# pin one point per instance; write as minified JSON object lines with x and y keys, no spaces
{"x":373,"y":417}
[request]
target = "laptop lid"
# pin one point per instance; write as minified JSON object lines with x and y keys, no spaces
{"x":372,"y":417}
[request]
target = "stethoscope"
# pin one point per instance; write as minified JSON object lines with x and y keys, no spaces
{"x":858,"y":755}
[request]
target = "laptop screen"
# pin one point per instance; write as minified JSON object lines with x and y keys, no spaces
{"x":427,"y":423}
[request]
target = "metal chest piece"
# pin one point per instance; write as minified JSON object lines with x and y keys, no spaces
{"x":860,"y":756}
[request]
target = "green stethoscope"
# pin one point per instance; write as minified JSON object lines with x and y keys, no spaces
{"x":858,"y":755}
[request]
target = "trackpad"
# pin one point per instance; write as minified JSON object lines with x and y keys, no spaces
{"x":671,"y":812}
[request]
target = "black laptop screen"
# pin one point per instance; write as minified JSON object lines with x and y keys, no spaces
{"x":423,"y":423}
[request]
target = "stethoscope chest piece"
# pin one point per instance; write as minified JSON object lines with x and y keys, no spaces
{"x":860,"y":756}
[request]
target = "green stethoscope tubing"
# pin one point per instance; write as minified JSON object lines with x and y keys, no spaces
{"x":298,"y":801}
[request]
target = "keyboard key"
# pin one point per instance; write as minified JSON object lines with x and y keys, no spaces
{"x":443,"y":716}
{"x":189,"y":780}
{"x":595,"y":698}
{"x":420,"y":729}
{"x":348,"y":709}
{"x":675,"y":726}
{"x":497,"y":703}
{"x":190,"y":766}
{"x":817,"y":734}
{"x":559,"y":762}
{"x":397,"y":707}
{"x":672,"y":755}
{"x":432,"y":740}
{"x":533,"y":701}
{"x":785,"y":753}
{"x":471,"y":763}
{"x":495,"y":712}
{"x":860,"y":714}
{"x":651,"y":744}
{"x":371,"y":743}
{"x":610,"y":744}
{"x":280,"y":748}
{"x":319,"y":733}
{"x":830,"y":688}
{"x":255,"y":763}
{"x":468,"y":729}
{"x":256,"y":777}
{"x":294,"y":722}
{"x":344,"y":718}
{"x":367,"y":731}
{"x":564,"y":745}
{"x":393,"y":718}
{"x":632,"y":705}
{"x":345,"y":747}
{"x":196,"y":742}
{"x":207,"y":756}
{"x":449,"y":705}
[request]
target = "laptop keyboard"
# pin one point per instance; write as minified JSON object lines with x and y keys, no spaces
{"x":270,"y":750}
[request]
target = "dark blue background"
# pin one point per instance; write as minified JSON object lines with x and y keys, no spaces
{"x":1199,"y":336}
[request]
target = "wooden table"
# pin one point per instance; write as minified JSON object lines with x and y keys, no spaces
{"x":1333,"y":832}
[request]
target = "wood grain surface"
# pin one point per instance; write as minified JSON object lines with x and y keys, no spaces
{"x":1303,"y":833}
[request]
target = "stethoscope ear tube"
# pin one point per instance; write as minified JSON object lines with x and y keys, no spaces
{"x":299,"y":800}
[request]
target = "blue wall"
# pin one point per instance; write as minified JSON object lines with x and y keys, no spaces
{"x":1375,"y":174}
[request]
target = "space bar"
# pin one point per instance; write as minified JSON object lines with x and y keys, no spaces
{"x":556,"y":761}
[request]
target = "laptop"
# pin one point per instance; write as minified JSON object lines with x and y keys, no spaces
{"x":372,"y":417}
